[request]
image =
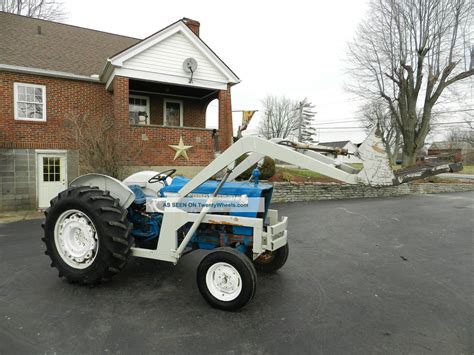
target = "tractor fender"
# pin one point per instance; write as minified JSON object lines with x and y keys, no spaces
{"x":116,"y":188}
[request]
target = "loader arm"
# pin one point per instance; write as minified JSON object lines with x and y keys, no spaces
{"x":376,"y":172}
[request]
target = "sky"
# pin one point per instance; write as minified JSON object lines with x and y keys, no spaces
{"x":292,"y":48}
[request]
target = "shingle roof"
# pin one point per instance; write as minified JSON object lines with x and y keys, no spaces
{"x":59,"y":47}
{"x":337,"y":144}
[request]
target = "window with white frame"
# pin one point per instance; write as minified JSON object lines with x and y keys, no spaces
{"x":138,"y":109}
{"x":30,"y":102}
{"x":173,"y":112}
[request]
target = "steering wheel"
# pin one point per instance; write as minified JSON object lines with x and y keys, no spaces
{"x":162,"y":176}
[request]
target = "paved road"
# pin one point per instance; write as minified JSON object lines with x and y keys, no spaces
{"x":364,"y":276}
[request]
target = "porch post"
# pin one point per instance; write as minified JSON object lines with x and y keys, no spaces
{"x":121,"y":100}
{"x":225,"y":119}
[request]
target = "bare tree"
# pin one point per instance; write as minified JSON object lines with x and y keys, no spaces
{"x":43,"y":9}
{"x":376,"y":113}
{"x":285,"y":118}
{"x":101,"y":149}
{"x":456,"y":135}
{"x":407,"y":52}
{"x":281,"y":118}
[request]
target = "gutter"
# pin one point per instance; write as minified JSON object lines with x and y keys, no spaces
{"x":45,"y":72}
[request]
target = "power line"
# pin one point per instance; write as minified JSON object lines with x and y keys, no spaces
{"x":446,"y":124}
{"x":454,"y":111}
{"x":355,"y":119}
{"x":454,"y":122}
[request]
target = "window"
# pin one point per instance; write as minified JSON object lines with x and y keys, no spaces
{"x":30,"y":102}
{"x":173,"y":113}
{"x":138,"y":109}
{"x":51,"y":169}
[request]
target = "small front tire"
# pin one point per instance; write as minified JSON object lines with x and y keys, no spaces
{"x":272,"y":261}
{"x":227,"y":279}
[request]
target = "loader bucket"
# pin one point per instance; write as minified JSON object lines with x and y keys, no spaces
{"x":377,"y":170}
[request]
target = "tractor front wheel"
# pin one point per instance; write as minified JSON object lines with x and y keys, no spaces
{"x":271,"y":261}
{"x":227,"y":279}
{"x":87,"y":235}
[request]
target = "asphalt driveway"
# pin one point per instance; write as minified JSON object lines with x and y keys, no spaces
{"x":364,"y":276}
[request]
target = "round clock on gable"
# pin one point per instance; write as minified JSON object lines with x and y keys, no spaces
{"x":190,"y":66}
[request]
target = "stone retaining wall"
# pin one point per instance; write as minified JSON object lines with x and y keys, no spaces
{"x":292,"y":192}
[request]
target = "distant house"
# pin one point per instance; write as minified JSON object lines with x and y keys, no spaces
{"x":452,"y":151}
{"x":348,"y":145}
{"x":156,"y":89}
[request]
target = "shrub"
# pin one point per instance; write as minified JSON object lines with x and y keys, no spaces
{"x":286,"y":176}
{"x":267,"y":170}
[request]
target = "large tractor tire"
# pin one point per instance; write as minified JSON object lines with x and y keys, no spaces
{"x":272,"y":261}
{"x":87,"y":235}
{"x":227,"y":279}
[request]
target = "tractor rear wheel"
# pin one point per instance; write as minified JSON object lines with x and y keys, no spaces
{"x":271,"y":261}
{"x":227,"y":279}
{"x":87,"y":235}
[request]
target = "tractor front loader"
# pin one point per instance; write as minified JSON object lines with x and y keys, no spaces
{"x":93,"y":228}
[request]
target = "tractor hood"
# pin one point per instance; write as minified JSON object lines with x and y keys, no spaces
{"x":228,"y":189}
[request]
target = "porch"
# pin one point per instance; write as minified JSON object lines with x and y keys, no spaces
{"x":161,"y":89}
{"x":158,"y":115}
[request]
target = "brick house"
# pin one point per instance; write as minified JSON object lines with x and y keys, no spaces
{"x":157,"y":90}
{"x":452,"y":151}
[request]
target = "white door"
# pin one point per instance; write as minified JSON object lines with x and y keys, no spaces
{"x":51,"y":176}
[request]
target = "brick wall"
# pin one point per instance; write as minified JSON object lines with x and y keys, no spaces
{"x":149,"y":145}
{"x":292,"y":192}
{"x":66,"y":97}
{"x":63,"y":98}
{"x":153,"y":146}
{"x":194,"y":111}
{"x":225,"y":119}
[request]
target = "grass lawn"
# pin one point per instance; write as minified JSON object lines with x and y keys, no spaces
{"x":302,"y":175}
{"x":297,"y":175}
{"x":467,"y":169}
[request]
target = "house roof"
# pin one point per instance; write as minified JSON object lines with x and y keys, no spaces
{"x":337,"y":144}
{"x":59,"y":47}
{"x":56,"y":47}
{"x":155,"y":37}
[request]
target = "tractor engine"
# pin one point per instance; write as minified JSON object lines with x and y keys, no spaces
{"x":146,"y":225}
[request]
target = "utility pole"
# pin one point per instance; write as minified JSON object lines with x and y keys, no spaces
{"x":300,"y":137}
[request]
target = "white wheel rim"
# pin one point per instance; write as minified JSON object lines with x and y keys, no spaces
{"x":223,"y":282}
{"x":76,"y":240}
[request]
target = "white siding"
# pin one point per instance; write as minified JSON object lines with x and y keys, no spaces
{"x":167,"y":57}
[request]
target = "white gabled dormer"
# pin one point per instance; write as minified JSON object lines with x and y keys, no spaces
{"x":160,"y":58}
